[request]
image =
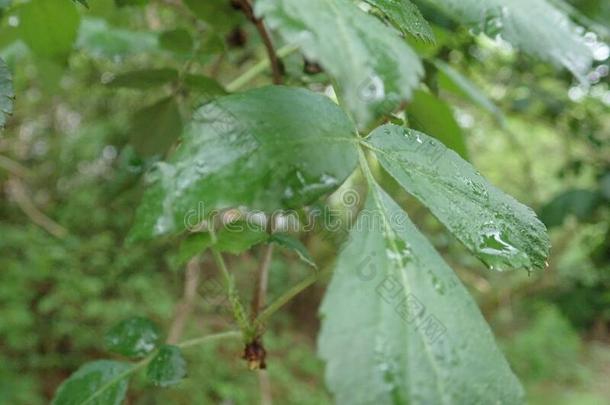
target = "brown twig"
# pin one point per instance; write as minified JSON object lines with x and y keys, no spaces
{"x":276,"y":66}
{"x":185,"y":307}
{"x":262,"y":278}
{"x":20,"y":195}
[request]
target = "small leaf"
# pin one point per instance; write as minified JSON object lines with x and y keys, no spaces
{"x":237,"y":237}
{"x":580,"y":203}
{"x":6,"y":93}
{"x":427,"y":113}
{"x":193,"y":245}
{"x":405,"y":16}
{"x":167,"y":368}
{"x":494,"y":226}
{"x":178,"y":41}
{"x":209,"y":87}
{"x":278,"y":147}
{"x":455,"y":82}
{"x":96,"y":383}
{"x":398,"y":326}
{"x":133,"y":337}
{"x":145,"y":78}
{"x":374,"y":68}
{"x":289,"y":242}
{"x":49,"y":27}
{"x":217,"y":13}
{"x":155,"y":128}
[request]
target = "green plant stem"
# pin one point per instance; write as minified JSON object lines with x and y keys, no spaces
{"x":144,"y":362}
{"x":287,"y":296}
{"x":258,"y":69}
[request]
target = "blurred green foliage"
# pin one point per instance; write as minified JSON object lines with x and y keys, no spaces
{"x":70,"y":134}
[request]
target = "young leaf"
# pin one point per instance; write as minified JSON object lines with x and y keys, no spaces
{"x":277,"y":147}
{"x":429,"y":114}
{"x":398,"y":327}
{"x":155,"y":128}
{"x":6,"y":93}
{"x":145,"y":78}
{"x":405,"y":16}
{"x":536,"y":26}
{"x":49,"y":27}
{"x":289,"y":242}
{"x":493,"y":225}
{"x":95,"y":383}
{"x":133,"y":337}
{"x":375,"y":69}
{"x":578,"y":202}
{"x":167,"y":368}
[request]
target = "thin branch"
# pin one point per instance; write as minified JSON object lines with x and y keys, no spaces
{"x":14,"y":167}
{"x":262,"y":279}
{"x":276,"y":66}
{"x":19,"y":194}
{"x":185,"y":307}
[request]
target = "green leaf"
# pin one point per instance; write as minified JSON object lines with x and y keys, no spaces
{"x":6,"y":93}
{"x":405,"y":16}
{"x":535,"y":26}
{"x":49,"y":27}
{"x":494,"y":226}
{"x":580,"y":203}
{"x":374,"y":68}
{"x":278,"y":147}
{"x":133,"y":337}
{"x":217,"y":13}
{"x":123,"y":3}
{"x":429,"y":114}
{"x":204,"y":85}
{"x":102,"y":40}
{"x":83,"y":2}
{"x":398,"y":327}
{"x":456,"y":83}
{"x":289,"y":242}
{"x":95,"y":383}
{"x":178,"y":41}
{"x":239,"y":236}
{"x":167,"y":368}
{"x":155,"y":128}
{"x":194,"y":244}
{"x":145,"y":78}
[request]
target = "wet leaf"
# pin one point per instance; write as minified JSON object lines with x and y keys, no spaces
{"x":133,"y":337}
{"x":406,"y":17}
{"x":167,"y":368}
{"x":374,"y":68}
{"x":398,"y":327}
{"x":6,"y":93}
{"x":277,"y":147}
{"x":535,"y":26}
{"x":497,"y":228}
{"x":95,"y":383}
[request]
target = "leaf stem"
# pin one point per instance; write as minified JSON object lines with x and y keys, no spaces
{"x":258,"y":68}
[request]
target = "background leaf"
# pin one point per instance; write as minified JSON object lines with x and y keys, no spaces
{"x":6,"y":93}
{"x":289,"y":242}
{"x":398,"y":327}
{"x":493,"y":225}
{"x":429,"y":114}
{"x":167,"y":368}
{"x":155,"y":128}
{"x":277,"y":146}
{"x":144,"y":78}
{"x":133,"y":337}
{"x":374,"y":68}
{"x":89,"y":385}
{"x":49,"y":27}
